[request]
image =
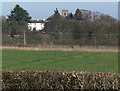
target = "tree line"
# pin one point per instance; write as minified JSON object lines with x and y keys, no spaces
{"x":82,"y":28}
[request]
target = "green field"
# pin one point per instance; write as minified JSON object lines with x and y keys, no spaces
{"x":60,"y":61}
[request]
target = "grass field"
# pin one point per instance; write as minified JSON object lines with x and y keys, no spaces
{"x":60,"y":60}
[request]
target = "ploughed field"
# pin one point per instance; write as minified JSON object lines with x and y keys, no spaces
{"x":59,"y":60}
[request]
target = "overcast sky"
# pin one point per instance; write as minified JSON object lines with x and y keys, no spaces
{"x":42,"y":10}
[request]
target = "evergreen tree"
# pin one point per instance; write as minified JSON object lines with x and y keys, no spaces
{"x":19,"y":14}
{"x":18,"y":20}
{"x":56,"y":14}
{"x":78,"y":15}
{"x":70,"y":16}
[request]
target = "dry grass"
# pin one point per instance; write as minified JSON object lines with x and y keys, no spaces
{"x":64,"y":48}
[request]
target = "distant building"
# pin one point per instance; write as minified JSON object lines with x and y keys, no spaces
{"x":64,"y":13}
{"x":36,"y":25}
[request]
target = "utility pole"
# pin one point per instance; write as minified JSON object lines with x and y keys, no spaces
{"x":24,"y":38}
{"x":95,"y":41}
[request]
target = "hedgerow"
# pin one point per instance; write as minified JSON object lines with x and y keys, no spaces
{"x":60,"y":81}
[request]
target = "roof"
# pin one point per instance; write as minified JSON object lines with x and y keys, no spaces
{"x":52,"y":17}
{"x":64,"y":10}
{"x":38,"y":21}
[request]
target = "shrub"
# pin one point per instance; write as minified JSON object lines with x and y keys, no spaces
{"x":60,"y":81}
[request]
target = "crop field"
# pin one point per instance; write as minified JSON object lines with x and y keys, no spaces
{"x":59,"y":60}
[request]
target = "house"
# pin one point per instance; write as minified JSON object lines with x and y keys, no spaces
{"x":36,"y":25}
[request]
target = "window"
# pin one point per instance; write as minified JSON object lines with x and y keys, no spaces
{"x":64,"y":14}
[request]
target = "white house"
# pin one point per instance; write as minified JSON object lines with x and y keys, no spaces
{"x":37,"y":25}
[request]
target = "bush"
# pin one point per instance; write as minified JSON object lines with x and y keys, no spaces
{"x":60,"y":81}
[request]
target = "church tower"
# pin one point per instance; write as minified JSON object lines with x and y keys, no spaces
{"x":64,"y":13}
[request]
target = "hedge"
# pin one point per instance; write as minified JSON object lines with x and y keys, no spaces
{"x":59,"y":81}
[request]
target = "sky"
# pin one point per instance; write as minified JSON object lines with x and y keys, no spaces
{"x":42,"y":10}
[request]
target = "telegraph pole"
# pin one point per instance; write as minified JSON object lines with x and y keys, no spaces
{"x":95,"y":41}
{"x":24,"y":38}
